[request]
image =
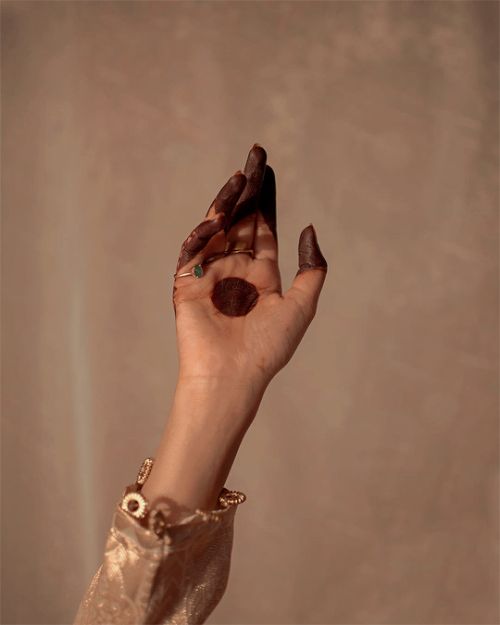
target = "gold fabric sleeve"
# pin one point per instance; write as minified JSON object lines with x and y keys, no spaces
{"x":176,"y":576}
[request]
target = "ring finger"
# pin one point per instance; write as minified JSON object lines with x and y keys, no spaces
{"x":217,"y":217}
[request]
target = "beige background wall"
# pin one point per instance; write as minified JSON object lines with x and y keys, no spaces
{"x":371,"y":468}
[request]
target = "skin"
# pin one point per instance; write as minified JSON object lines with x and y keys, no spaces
{"x":227,"y":360}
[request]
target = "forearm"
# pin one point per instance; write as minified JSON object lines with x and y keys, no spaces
{"x":207,"y":421}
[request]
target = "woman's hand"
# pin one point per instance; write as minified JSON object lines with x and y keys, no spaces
{"x":235,"y":329}
{"x":234,"y":322}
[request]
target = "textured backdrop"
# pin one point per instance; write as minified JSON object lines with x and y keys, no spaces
{"x":371,"y":468}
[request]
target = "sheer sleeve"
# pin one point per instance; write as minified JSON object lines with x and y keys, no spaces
{"x":171,"y":566}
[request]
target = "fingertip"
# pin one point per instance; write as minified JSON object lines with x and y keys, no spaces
{"x":258,"y":148}
{"x":229,"y":194}
{"x":234,"y":187}
{"x":310,"y":255}
{"x":256,"y":159}
{"x":238,"y":179}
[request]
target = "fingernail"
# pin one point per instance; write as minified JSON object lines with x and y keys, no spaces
{"x":310,"y":256}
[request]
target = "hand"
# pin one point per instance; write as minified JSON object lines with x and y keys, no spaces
{"x":235,"y":331}
{"x":234,"y":322}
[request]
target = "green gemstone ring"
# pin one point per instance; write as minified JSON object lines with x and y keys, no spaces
{"x":196,"y":271}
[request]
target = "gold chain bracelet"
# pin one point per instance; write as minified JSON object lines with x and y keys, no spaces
{"x":134,"y":503}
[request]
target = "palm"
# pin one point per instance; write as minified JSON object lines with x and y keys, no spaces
{"x":259,"y":343}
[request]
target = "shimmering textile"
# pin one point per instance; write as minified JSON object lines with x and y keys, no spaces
{"x":178,"y":578}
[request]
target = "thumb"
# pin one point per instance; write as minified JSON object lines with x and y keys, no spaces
{"x":308,"y":282}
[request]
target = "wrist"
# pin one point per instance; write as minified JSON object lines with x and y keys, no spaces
{"x":211,"y":399}
{"x":208,"y":419}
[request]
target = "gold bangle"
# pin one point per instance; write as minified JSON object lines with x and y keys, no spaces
{"x":135,"y":504}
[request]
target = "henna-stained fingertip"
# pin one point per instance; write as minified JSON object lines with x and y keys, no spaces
{"x":310,"y":256}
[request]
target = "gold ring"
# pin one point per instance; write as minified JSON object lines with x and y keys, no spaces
{"x":198,"y":272}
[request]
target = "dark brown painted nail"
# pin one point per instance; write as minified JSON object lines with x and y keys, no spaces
{"x":198,"y":238}
{"x":227,"y":197}
{"x":267,"y":203}
{"x":310,"y":256}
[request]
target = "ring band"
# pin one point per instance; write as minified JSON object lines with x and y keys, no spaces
{"x":197,"y":270}
{"x":226,"y":253}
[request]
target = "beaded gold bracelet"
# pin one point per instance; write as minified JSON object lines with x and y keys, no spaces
{"x":134,"y":503}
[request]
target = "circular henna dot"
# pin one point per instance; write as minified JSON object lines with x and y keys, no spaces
{"x":234,"y":296}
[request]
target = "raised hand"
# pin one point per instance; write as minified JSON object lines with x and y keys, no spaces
{"x":235,"y":330}
{"x":234,"y":321}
